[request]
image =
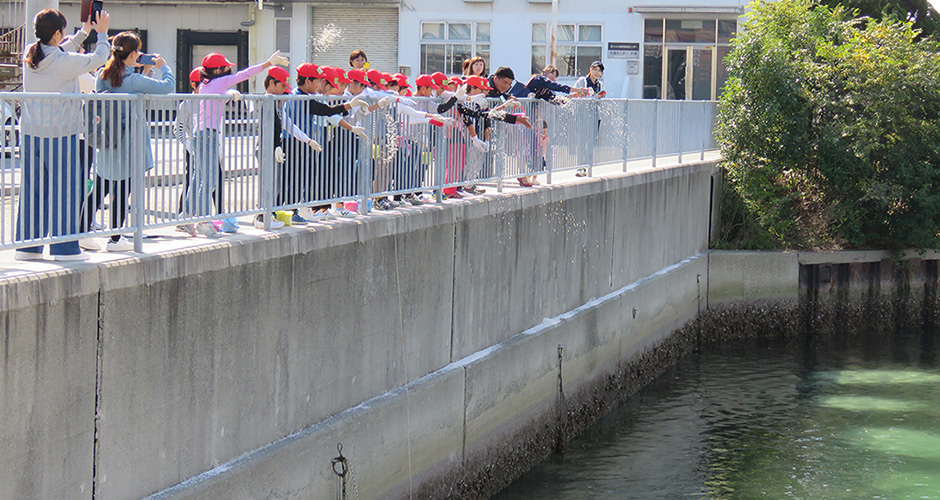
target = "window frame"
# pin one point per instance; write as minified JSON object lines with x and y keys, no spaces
{"x":474,"y":42}
{"x":575,"y":44}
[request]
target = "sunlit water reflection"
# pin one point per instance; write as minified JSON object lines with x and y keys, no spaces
{"x":853,"y":419}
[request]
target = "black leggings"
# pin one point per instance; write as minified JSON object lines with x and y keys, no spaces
{"x":119,"y":191}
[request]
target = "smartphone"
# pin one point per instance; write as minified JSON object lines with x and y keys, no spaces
{"x":96,"y":7}
{"x":145,"y":60}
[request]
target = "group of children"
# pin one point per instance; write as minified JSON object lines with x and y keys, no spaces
{"x":317,"y":141}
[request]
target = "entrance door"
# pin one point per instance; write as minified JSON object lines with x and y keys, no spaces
{"x":688,"y":73}
{"x":191,"y":46}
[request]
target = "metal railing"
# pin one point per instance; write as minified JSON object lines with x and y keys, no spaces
{"x":127,"y":163}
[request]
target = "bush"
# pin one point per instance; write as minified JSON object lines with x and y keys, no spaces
{"x":830,"y":128}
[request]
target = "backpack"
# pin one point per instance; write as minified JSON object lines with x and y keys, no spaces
{"x":105,"y":123}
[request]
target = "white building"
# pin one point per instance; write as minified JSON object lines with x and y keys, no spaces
{"x":643,"y":44}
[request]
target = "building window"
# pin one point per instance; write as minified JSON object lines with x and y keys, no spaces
{"x":685,"y":58}
{"x":577,"y":46}
{"x":445,"y":45}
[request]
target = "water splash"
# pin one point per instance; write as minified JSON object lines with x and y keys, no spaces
{"x":326,"y":37}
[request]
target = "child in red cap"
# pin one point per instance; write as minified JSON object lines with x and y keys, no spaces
{"x":477,"y":117}
{"x":215,"y":78}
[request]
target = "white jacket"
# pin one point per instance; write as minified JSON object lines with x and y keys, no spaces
{"x":58,"y":72}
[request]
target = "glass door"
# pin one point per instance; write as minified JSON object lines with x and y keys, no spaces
{"x":688,"y":73}
{"x":675,"y":76}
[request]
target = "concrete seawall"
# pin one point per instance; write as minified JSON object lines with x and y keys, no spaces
{"x":426,"y":342}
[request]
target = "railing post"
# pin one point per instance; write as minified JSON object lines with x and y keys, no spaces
{"x":626,"y":133}
{"x":440,"y":162}
{"x":655,"y":128}
{"x":268,"y":169}
{"x":494,"y":157}
{"x":706,"y":130}
{"x":139,"y":164}
{"x":365,"y":164}
{"x":552,"y":137}
{"x":679,"y":129}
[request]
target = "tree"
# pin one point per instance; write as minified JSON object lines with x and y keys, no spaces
{"x":924,"y":16}
{"x":830,"y":128}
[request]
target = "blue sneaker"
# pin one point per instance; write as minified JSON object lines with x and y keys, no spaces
{"x":298,"y":220}
{"x":230,"y":225}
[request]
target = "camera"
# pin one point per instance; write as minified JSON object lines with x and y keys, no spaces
{"x":145,"y":60}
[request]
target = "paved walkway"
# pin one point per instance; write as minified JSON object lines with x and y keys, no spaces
{"x":167,"y":239}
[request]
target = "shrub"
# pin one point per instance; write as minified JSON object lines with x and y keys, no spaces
{"x":830,"y":128}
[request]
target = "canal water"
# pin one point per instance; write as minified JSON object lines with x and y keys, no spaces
{"x":856,"y":417}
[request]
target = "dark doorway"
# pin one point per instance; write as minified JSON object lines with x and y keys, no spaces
{"x":186,"y":59}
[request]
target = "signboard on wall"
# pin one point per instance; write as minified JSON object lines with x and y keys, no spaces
{"x":623,"y":50}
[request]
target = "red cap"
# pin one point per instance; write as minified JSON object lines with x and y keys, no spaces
{"x":196,"y":74}
{"x":309,"y":70}
{"x":402,"y":80}
{"x":438,"y":77}
{"x":327,"y":72}
{"x":456,"y":80}
{"x":357,"y":75}
{"x":478,"y":82}
{"x":280,"y":74}
{"x":215,"y":60}
{"x":377,"y":78}
{"x":339,"y":76}
{"x":426,"y":81}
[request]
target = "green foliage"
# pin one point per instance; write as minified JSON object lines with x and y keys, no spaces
{"x":925,"y":18}
{"x":830,"y":128}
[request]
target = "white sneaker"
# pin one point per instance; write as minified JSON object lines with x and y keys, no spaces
{"x":89,"y":244}
{"x":259,"y":222}
{"x":121,"y":245}
{"x":207,"y":229}
{"x":21,"y":255}
{"x":71,"y":257}
{"x":342,"y":212}
{"x":323,"y":215}
{"x":306,"y":213}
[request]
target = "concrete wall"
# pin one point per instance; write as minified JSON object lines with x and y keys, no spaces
{"x":419,"y":340}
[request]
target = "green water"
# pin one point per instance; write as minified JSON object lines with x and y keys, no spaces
{"x":846,"y":419}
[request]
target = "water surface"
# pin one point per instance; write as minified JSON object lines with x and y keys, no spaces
{"x":845,"y":419}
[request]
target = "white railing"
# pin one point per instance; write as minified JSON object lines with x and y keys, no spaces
{"x":51,"y":191}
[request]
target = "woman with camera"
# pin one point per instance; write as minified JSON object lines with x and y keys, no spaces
{"x":113,"y":159}
{"x":52,"y":180}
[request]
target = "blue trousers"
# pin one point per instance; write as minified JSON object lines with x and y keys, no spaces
{"x":203,"y":176}
{"x":50,"y":192}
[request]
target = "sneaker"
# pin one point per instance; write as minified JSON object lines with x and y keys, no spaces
{"x":582,"y":172}
{"x":121,"y":245}
{"x":306,"y":213}
{"x":24,"y":255}
{"x":230,"y":225}
{"x":453,"y":196}
{"x":298,"y":220}
{"x":384,"y":204}
{"x":342,"y":212}
{"x":473,"y":190}
{"x":323,"y":215}
{"x":259,"y":223}
{"x":414,"y":200}
{"x":189,"y":229}
{"x":71,"y":256}
{"x":207,"y":229}
{"x":89,"y":244}
{"x":284,"y":217}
